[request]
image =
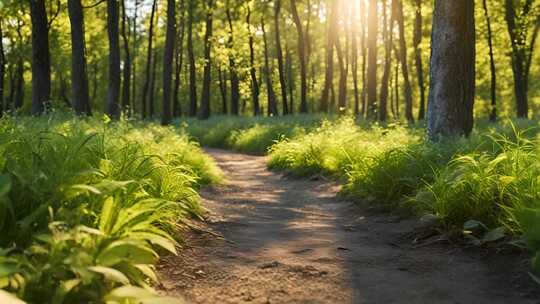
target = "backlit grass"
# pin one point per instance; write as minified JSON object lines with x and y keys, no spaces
{"x":87,"y":206}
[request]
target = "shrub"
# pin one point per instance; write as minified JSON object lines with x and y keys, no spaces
{"x":86,"y":206}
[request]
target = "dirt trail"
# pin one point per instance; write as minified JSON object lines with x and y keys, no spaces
{"x":296,"y":241}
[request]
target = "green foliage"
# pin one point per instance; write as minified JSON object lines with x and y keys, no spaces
{"x":86,"y":206}
{"x":249,"y":135}
{"x":484,"y":187}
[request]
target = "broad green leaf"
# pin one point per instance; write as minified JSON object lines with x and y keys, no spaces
{"x":157,"y":240}
{"x":473,"y":225}
{"x":105,"y":218}
{"x":495,"y":235}
{"x":148,"y":271}
{"x":7,"y":269}
{"x":110,"y":274}
{"x":62,"y":290}
{"x":124,"y":250}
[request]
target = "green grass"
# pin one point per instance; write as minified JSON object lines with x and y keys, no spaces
{"x":252,"y":135}
{"x":87,"y":206}
{"x":484,"y":187}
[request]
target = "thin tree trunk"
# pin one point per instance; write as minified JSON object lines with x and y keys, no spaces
{"x":205,"y":98}
{"x":177,"y":108}
{"x":492,"y":67}
{"x":134,"y":58}
{"x":330,"y":42}
{"x":272,"y":105}
{"x":223,"y":91}
{"x":148,"y":71}
{"x":290,"y":79}
{"x":407,"y":90}
{"x":255,"y":91}
{"x":451,"y":94}
{"x":191,"y":57}
{"x":62,"y":88}
{"x":396,"y":87}
{"x":235,"y":82}
{"x":79,"y":75}
{"x":114,"y":58}
{"x":364,"y":58}
{"x":19,"y":85}
{"x":11,"y":96}
{"x":522,"y":51}
{"x":41,"y":62}
{"x":354,"y":63}
{"x":372,"y":59}
{"x":279,"y":51}
{"x":388,"y":36}
{"x":126,"y":86}
{"x":153,"y":93}
{"x":168,"y":60}
{"x":95,"y":80}
{"x":302,"y":57}
{"x":343,"y":72}
{"x":417,"y":39}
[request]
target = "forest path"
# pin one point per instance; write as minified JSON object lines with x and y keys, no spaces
{"x":295,"y":241}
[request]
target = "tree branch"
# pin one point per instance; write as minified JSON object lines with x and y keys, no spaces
{"x":94,"y":5}
{"x":55,"y":15}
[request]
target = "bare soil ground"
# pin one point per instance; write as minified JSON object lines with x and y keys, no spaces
{"x":296,"y":241}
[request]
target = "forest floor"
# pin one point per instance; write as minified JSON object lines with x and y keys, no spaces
{"x":270,"y":238}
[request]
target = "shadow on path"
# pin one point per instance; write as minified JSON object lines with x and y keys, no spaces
{"x":297,"y":241}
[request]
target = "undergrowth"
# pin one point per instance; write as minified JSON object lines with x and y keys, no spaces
{"x":87,"y":206}
{"x":485,"y":186}
{"x":253,"y":135}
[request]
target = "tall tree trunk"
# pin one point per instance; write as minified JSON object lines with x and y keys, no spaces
{"x":114,"y":58}
{"x":235,"y":82}
{"x":522,"y":50}
{"x":62,"y":89}
{"x":179,"y":61}
{"x":272,"y":105}
{"x":343,"y":72}
{"x":41,"y":62}
{"x":407,"y":90}
{"x":18,"y":97}
{"x":279,"y":51}
{"x":354,"y":61}
{"x":330,"y":42}
{"x":11,"y":96}
{"x":134,"y":57}
{"x":302,"y":57}
{"x":205,"y":98}
{"x":95,"y":84}
{"x":290,"y":79}
{"x":255,"y":91}
{"x":396,"y":86}
{"x":451,"y":93}
{"x":126,"y":86}
{"x":153,"y":80}
{"x":223,"y":91}
{"x":388,"y":36}
{"x":168,"y":60}
{"x":372,"y":60}
{"x":192,"y":67}
{"x":148,"y":70}
{"x":417,"y":39}
{"x":79,"y":75}
{"x":2,"y":70}
{"x":492,"y":67}
{"x":363,"y":46}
